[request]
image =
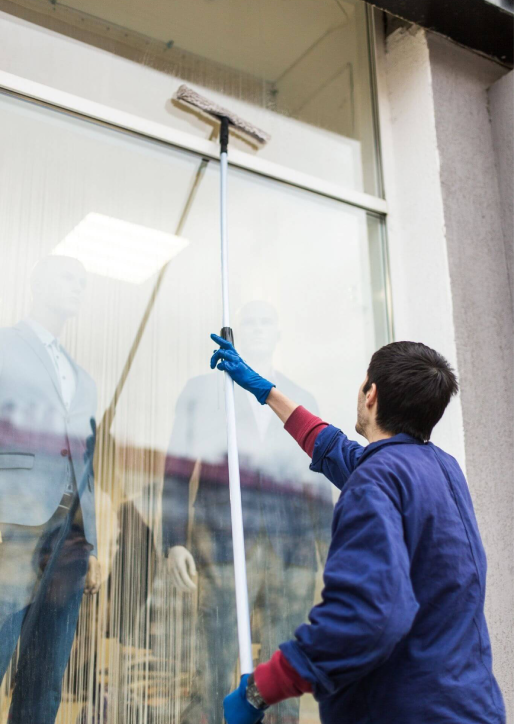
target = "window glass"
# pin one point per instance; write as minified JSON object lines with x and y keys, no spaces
{"x":112,"y":426}
{"x":299,"y":69}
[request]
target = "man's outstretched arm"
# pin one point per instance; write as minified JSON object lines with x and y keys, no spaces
{"x":228,"y":359}
{"x":281,"y":405}
{"x":335,"y":456}
{"x":298,"y":422}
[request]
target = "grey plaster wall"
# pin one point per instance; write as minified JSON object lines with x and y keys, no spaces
{"x":483,"y":316}
{"x":418,"y":261}
{"x":501,"y":109}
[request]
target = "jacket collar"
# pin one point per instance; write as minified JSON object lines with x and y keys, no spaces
{"x":401,"y":439}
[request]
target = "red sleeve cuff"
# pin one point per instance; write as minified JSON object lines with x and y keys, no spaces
{"x":277,"y":680}
{"x":305,"y":428}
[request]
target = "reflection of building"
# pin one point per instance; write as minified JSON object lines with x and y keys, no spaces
{"x":308,"y":216}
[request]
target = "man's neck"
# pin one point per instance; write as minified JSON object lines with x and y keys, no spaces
{"x":377,"y":434}
{"x":54,"y":323}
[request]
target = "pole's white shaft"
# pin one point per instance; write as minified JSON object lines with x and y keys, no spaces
{"x":236,"y":509}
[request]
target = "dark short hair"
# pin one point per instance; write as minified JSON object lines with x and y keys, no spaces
{"x":414,"y":385}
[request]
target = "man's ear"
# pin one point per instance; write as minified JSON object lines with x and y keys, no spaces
{"x":371,"y":395}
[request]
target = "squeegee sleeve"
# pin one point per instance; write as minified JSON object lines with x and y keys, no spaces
{"x":187,"y":95}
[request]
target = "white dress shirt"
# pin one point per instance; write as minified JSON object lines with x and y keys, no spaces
{"x":65,"y":374}
{"x":60,"y":361}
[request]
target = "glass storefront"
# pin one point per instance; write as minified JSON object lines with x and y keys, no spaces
{"x":113,"y":471}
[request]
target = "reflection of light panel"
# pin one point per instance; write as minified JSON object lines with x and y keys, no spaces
{"x":119,"y":249}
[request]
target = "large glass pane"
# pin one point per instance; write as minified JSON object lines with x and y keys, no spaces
{"x":297,"y":68}
{"x":101,"y":233}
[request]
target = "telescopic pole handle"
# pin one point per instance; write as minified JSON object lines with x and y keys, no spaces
{"x":236,"y":508}
{"x":228,"y":334}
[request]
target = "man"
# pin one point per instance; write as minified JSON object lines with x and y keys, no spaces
{"x":400,"y":636}
{"x":47,"y":518}
{"x":287,"y":515}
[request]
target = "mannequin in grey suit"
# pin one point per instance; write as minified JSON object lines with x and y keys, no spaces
{"x":287,"y":516}
{"x":47,"y":515}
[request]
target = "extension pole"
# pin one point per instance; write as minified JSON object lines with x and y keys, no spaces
{"x":236,"y":508}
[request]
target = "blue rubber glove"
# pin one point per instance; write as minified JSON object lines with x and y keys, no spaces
{"x":237,"y":708}
{"x":228,"y":359}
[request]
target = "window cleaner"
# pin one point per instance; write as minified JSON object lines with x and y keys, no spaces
{"x":400,"y":636}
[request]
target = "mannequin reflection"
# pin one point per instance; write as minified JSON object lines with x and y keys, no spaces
{"x":47,"y":405}
{"x":258,"y":336}
{"x":287,"y":514}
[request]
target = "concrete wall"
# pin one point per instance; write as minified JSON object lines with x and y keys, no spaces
{"x":420,"y":280}
{"x":501,"y":109}
{"x":483,"y":315}
{"x":448,"y":266}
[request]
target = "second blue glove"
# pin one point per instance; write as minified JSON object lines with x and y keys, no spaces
{"x":237,"y":708}
{"x":229,"y":360}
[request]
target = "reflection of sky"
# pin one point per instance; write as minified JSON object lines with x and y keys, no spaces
{"x":305,"y":254}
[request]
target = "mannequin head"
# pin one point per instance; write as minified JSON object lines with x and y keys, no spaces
{"x":257,"y":332}
{"x":57,"y":284}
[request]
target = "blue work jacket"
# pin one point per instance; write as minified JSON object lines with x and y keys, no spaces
{"x":400,"y":636}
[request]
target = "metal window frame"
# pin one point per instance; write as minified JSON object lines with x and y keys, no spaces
{"x":371,"y":17}
{"x":121,"y":120}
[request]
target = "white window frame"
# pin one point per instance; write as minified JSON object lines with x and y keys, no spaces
{"x":121,"y":120}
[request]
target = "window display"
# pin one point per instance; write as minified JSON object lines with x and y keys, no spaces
{"x":123,"y":487}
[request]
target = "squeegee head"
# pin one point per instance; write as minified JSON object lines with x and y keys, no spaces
{"x":187,"y":95}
